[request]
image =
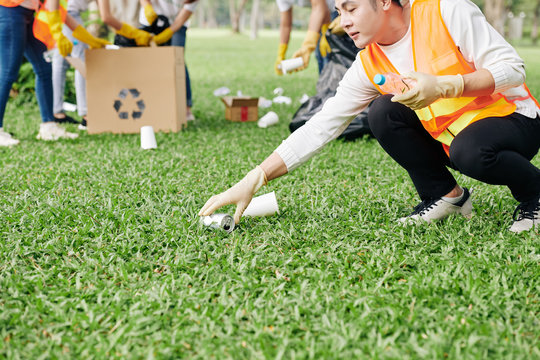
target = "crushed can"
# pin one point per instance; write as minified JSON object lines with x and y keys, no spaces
{"x":219,"y":221}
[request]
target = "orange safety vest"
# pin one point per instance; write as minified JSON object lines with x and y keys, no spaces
{"x":10,"y":3}
{"x":434,"y":52}
{"x":41,"y":25}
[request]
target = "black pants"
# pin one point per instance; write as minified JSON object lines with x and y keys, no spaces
{"x":495,"y":150}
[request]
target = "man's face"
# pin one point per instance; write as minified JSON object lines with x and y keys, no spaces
{"x":362,"y":20}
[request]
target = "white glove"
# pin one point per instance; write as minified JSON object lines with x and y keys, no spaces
{"x":240,"y":194}
{"x":430,"y":88}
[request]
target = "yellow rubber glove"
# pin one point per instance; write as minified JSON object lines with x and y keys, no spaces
{"x":308,"y":46}
{"x":142,"y":38}
{"x":335,"y":26}
{"x":240,"y":194}
{"x":282,"y":49}
{"x":55,"y":26}
{"x":430,"y":88}
{"x":150,"y":14}
{"x":163,"y":36}
{"x":324,"y":46}
{"x":80,"y":33}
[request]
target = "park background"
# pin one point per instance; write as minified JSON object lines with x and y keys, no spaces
{"x":102,"y":254}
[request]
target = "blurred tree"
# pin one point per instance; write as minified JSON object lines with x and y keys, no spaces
{"x":254,"y":24}
{"x":235,"y":12}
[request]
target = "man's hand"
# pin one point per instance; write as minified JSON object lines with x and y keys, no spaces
{"x":150,"y":14}
{"x":63,"y":44}
{"x":163,"y":36}
{"x":240,"y":194}
{"x":142,"y":38}
{"x":282,"y":49}
{"x":82,"y":34}
{"x":308,"y":46}
{"x":430,"y":88}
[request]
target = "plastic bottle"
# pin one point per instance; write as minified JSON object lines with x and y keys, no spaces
{"x":393,"y":83}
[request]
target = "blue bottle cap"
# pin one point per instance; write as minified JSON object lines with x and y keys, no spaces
{"x":379,"y":79}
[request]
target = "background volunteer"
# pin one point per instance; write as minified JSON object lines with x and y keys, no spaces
{"x":178,"y":12}
{"x":17,"y":39}
{"x":484,"y":49}
{"x":315,"y":39}
{"x":60,"y":67}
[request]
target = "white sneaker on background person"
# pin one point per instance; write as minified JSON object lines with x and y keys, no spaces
{"x":6,"y":139}
{"x":437,"y":209}
{"x":190,"y":116}
{"x":526,"y":216}
{"x":52,"y":131}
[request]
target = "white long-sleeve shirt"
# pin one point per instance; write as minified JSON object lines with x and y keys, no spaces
{"x":481,"y":46}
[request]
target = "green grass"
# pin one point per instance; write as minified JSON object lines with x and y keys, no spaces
{"x":102,"y":254}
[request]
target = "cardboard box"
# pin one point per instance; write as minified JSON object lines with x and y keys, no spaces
{"x":241,"y":108}
{"x":132,"y":87}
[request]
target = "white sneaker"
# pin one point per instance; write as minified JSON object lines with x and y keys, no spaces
{"x":526,"y":216}
{"x":190,"y":116}
{"x":53,"y":131}
{"x":437,"y":209}
{"x":6,"y":139}
{"x":83,"y":125}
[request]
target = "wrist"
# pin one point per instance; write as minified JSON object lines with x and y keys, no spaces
{"x":451,"y":86}
{"x":310,"y":41}
{"x":282,"y":49}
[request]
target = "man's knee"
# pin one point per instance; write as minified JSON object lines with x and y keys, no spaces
{"x":385,"y":115}
{"x":470,"y":158}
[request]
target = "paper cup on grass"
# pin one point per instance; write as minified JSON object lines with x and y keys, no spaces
{"x":267,"y":120}
{"x":148,"y":138}
{"x":291,"y":64}
{"x":264,"y":205}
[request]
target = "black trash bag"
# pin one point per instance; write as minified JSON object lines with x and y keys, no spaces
{"x":339,"y":60}
{"x":160,"y":24}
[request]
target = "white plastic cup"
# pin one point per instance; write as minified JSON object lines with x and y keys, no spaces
{"x":264,"y":205}
{"x":148,"y":138}
{"x":291,"y":64}
{"x":270,"y":118}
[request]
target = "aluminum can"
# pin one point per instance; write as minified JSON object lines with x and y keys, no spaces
{"x":219,"y":221}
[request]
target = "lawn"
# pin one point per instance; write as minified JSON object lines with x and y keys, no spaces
{"x":102,"y":254}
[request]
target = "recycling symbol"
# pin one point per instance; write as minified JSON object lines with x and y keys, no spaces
{"x":126,"y":106}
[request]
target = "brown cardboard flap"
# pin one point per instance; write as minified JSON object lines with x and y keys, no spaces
{"x":233,"y":101}
{"x":78,"y":64}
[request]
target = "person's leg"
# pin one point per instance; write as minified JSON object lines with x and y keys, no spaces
{"x":400,"y":133}
{"x":59,"y":69}
{"x":12,"y":38}
{"x":402,"y":136}
{"x":498,"y":151}
{"x":33,"y":51}
{"x":80,"y":82}
{"x":179,"y":39}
